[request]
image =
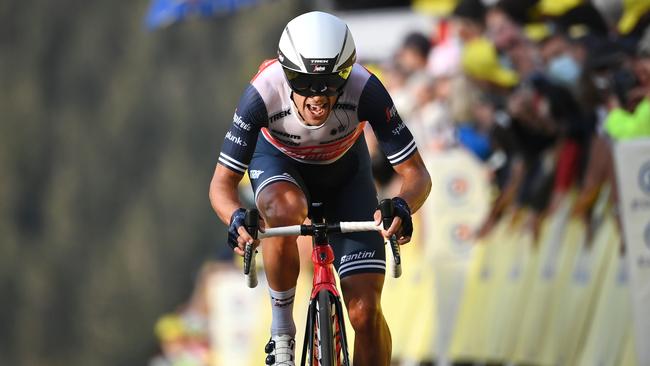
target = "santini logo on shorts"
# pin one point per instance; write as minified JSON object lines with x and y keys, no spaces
{"x":357,"y":256}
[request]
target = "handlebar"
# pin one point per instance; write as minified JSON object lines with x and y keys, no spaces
{"x":251,"y":223}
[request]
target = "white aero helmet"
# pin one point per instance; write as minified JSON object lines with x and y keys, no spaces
{"x":316,"y":51}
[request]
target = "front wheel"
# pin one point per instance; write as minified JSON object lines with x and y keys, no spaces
{"x":324,"y":330}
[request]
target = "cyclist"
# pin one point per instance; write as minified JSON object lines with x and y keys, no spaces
{"x":298,"y":129}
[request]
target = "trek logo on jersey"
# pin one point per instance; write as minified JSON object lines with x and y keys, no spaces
{"x":255,"y":173}
{"x":280,"y":115}
{"x":391,"y":113}
{"x":236,"y":139}
{"x":239,"y":122}
{"x":317,"y":61}
{"x":356,"y":256}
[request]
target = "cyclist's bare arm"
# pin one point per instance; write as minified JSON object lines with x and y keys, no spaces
{"x":416,"y":182}
{"x":415,"y":187}
{"x":225,"y":200}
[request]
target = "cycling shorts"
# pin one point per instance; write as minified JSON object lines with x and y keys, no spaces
{"x":345,"y":187}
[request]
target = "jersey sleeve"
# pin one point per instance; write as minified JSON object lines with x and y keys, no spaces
{"x":377,"y":107}
{"x":239,"y":143}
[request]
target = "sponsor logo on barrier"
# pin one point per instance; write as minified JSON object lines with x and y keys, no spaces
{"x":457,"y":187}
{"x":461,"y":234}
{"x":644,"y":177}
{"x":485,"y":273}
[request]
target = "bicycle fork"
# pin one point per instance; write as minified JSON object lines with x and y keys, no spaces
{"x":324,"y":281}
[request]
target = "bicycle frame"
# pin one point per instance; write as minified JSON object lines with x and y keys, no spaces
{"x":323,"y":279}
{"x":323,"y":258}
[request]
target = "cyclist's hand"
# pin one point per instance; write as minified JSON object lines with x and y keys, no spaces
{"x":238,"y":237}
{"x":402,"y":225}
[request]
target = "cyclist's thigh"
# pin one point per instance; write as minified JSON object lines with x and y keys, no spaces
{"x":269,"y":166}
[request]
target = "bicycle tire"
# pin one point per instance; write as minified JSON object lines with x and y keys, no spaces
{"x":324,"y":332}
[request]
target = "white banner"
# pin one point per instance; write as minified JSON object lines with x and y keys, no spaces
{"x":456,"y":206}
{"x":633,"y":176}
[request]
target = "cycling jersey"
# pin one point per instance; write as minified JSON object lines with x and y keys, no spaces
{"x":266,"y":107}
{"x":269,"y":138}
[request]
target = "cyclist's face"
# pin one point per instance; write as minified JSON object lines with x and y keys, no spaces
{"x":314,"y":109}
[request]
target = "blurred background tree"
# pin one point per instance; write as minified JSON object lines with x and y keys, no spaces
{"x":108,"y":138}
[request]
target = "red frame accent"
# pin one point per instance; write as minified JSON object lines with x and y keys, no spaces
{"x":322,"y":256}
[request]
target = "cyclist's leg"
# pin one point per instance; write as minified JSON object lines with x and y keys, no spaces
{"x":360,"y":258}
{"x":372,"y":340}
{"x":280,"y":204}
{"x":280,"y":199}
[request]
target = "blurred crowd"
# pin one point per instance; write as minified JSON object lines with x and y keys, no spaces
{"x":537,"y":90}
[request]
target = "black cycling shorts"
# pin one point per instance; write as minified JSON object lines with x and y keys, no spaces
{"x":346,"y":189}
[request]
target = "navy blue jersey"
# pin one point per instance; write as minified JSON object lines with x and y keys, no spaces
{"x":266,"y":107}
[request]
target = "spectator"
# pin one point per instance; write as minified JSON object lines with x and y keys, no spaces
{"x":622,"y":124}
{"x":414,"y":52}
{"x":481,"y":63}
{"x":469,"y":19}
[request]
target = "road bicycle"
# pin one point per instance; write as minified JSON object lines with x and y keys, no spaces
{"x":325,"y":342}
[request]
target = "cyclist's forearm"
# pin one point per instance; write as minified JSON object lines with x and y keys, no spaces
{"x":416,"y":182}
{"x":224,"y":196}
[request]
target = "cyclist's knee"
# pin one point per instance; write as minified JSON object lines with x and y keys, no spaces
{"x":365,"y":314}
{"x":282,"y":203}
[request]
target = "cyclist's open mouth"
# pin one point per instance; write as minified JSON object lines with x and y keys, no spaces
{"x":318,"y":110}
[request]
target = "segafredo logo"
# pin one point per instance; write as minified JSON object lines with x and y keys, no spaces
{"x":318,"y":68}
{"x":461,"y":235}
{"x":644,"y":177}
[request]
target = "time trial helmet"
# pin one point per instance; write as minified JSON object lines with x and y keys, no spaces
{"x":317,"y":52}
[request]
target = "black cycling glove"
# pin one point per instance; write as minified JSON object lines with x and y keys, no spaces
{"x":236,"y":220}
{"x":403,"y":210}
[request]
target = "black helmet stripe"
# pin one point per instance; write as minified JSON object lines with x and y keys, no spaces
{"x":352,"y":57}
{"x":288,"y":63}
